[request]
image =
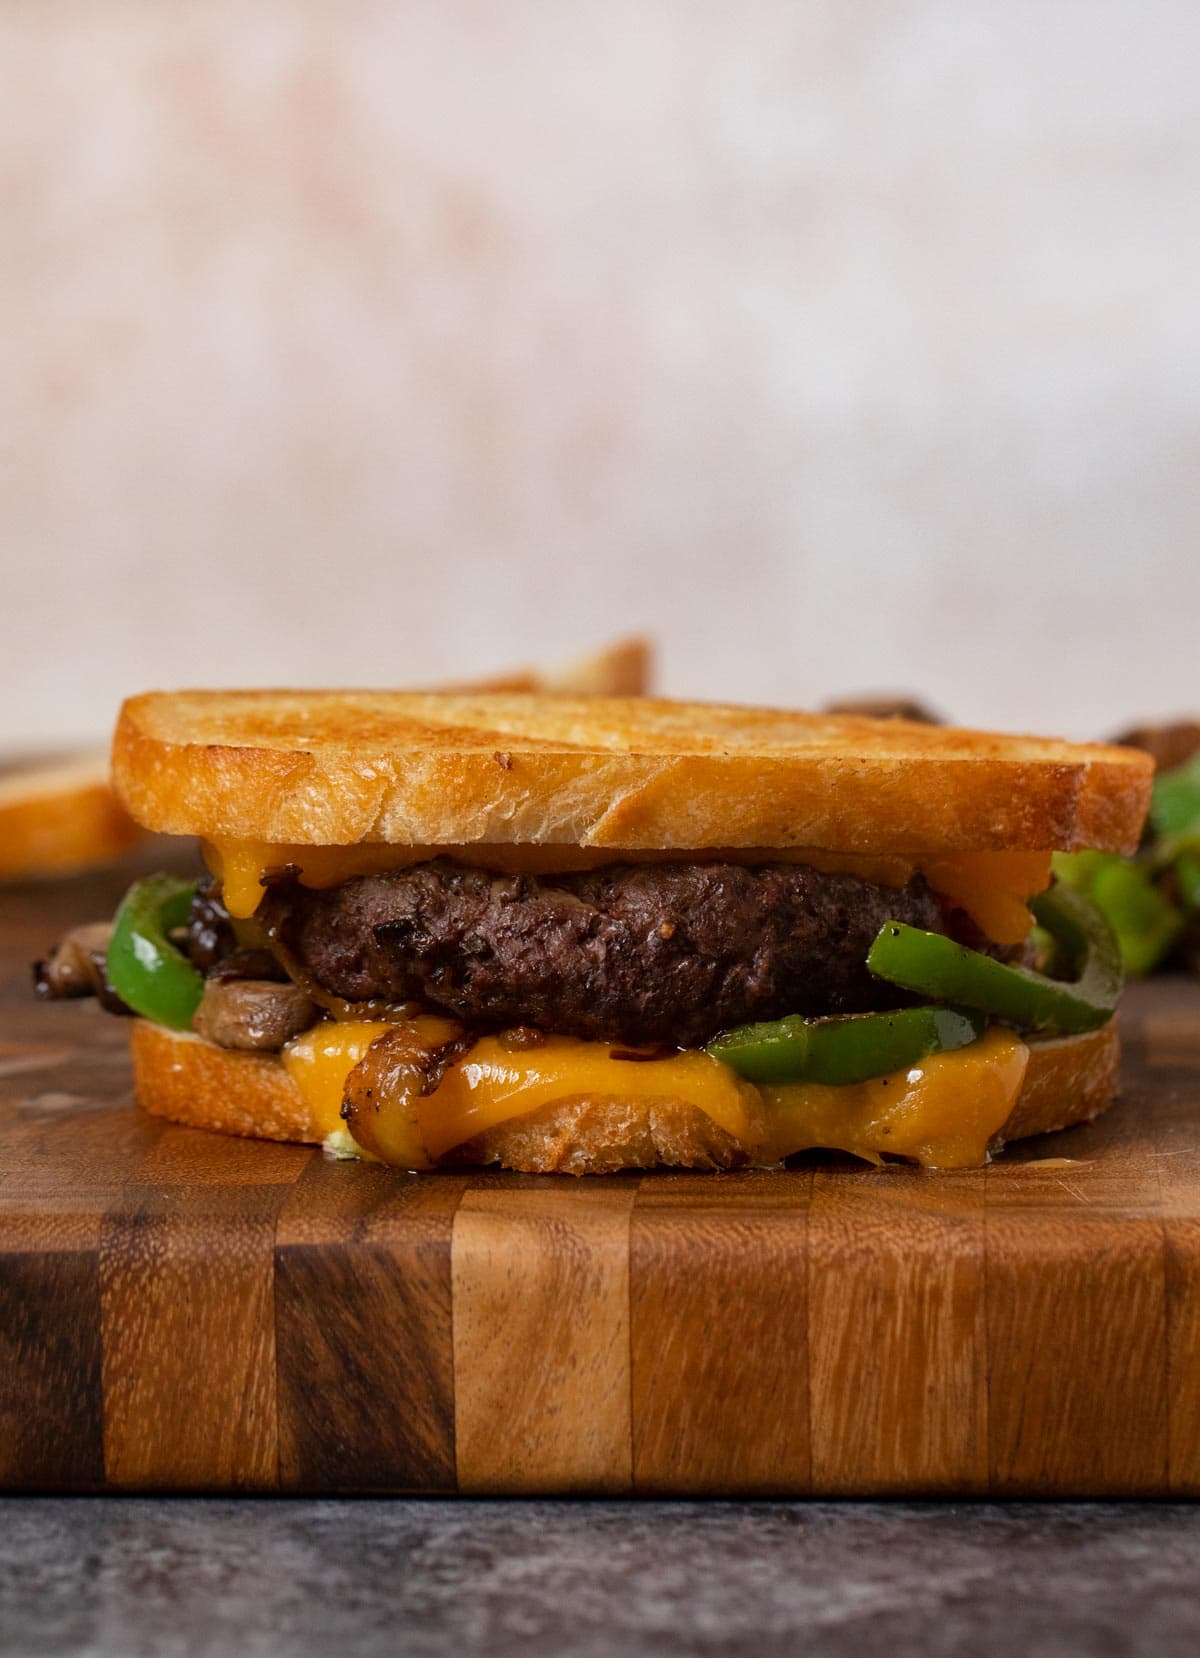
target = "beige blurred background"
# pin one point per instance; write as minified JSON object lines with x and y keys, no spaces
{"x":838,"y":345}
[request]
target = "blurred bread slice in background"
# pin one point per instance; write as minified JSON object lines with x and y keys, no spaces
{"x":1170,"y":744}
{"x":891,"y":705}
{"x":622,"y":669}
{"x":58,"y":814}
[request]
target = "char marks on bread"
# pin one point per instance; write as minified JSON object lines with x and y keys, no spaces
{"x":429,"y":769}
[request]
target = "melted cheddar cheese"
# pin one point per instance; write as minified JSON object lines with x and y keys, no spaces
{"x":242,"y":867}
{"x":490,"y":1086}
{"x":992,"y":887}
{"x":320,"y":1061}
{"x":942,"y":1113}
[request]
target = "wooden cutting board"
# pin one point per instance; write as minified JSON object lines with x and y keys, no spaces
{"x":180,"y":1311}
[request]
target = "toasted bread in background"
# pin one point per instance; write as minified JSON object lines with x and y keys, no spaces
{"x":339,"y":768}
{"x":59,"y":815}
{"x":890,"y":705}
{"x":1169,"y":745}
{"x":622,"y":669}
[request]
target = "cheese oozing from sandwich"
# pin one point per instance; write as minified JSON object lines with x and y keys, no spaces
{"x":942,"y":1112}
{"x":992,"y":887}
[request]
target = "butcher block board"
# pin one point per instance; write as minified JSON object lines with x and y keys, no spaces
{"x":184,"y":1312}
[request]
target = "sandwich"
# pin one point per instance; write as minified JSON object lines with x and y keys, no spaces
{"x":578,"y":935}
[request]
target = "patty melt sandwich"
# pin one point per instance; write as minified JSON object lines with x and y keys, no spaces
{"x":582,"y":935}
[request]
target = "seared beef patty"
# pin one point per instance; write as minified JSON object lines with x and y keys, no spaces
{"x":643,"y":953}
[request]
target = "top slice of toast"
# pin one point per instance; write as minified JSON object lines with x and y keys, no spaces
{"x":337,"y":768}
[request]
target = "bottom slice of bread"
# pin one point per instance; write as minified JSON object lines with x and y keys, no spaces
{"x":1069,"y":1080}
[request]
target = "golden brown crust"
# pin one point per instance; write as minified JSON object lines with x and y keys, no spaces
{"x":340,"y":768}
{"x":192,"y":1081}
{"x":61,"y":815}
{"x":1068,"y":1080}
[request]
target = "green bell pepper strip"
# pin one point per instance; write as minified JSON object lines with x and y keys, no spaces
{"x":933,"y":965}
{"x":144,"y":968}
{"x":850,"y":1048}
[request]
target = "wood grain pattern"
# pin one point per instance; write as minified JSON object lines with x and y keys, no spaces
{"x":183,"y":1311}
{"x":363,"y":1331}
{"x":719,"y":1297}
{"x":896,"y":1335}
{"x":1076,"y":1310}
{"x":541,"y":1335}
{"x":186,"y":1309}
{"x":51,"y":1402}
{"x":1164,"y":1091}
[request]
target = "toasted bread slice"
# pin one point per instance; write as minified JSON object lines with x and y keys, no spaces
{"x":339,"y":768}
{"x":183,"y":1077}
{"x":60,"y":815}
{"x":622,"y":669}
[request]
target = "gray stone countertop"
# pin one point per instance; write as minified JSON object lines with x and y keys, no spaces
{"x":172,"y":1578}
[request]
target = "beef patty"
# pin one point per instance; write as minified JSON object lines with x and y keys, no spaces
{"x":643,"y":953}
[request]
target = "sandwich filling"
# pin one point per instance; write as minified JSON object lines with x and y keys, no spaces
{"x":421,"y":1008}
{"x":665,"y":954}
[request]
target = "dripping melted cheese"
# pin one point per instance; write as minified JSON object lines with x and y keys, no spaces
{"x":992,"y":887}
{"x":320,"y":1060}
{"x":941,"y":1113}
